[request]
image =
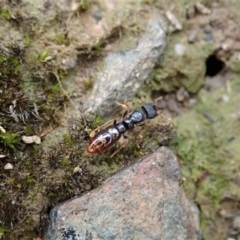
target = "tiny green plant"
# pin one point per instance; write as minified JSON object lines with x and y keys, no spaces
{"x":43,"y":55}
{"x":83,"y":5}
{"x":2,"y":232}
{"x":9,"y":139}
{"x":64,"y":161}
{"x":96,"y":121}
{"x":5,"y":13}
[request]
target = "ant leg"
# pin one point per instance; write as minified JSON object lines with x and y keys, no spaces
{"x":139,"y":140}
{"x":121,"y":146}
{"x":141,"y":124}
{"x":157,"y":99}
{"x":96,"y":130}
{"x":127,"y":106}
{"x":168,"y":119}
{"x":159,"y":111}
{"x":125,"y":114}
{"x":124,"y":136}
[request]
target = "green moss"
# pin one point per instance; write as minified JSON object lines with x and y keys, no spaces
{"x":5,"y":13}
{"x":3,"y":59}
{"x":234,"y":66}
{"x":83,"y":5}
{"x":68,"y":140}
{"x":60,"y":39}
{"x":28,"y":130}
{"x":65,"y":161}
{"x":3,"y":231}
{"x":109,"y":168}
{"x":97,"y":48}
{"x":27,"y":163}
{"x":30,"y":180}
{"x":56,"y":89}
{"x":43,"y":55}
{"x":27,"y":40}
{"x":35,"y":149}
{"x":182,"y":71}
{"x":28,"y":220}
{"x":88,"y":83}
{"x":9,"y":139}
{"x":96,"y":121}
{"x":208,"y":148}
{"x":45,"y":107}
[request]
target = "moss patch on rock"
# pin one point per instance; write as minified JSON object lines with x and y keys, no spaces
{"x":207,"y":145}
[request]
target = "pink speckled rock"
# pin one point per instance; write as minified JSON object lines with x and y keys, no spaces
{"x":143,"y":201}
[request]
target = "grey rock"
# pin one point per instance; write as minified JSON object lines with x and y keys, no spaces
{"x":192,"y":36}
{"x":125,"y":72}
{"x":143,"y":201}
{"x":236,"y":223}
{"x":182,"y":94}
{"x":192,"y":102}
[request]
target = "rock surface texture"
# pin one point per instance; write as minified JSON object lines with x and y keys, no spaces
{"x":125,"y":72}
{"x":143,"y":201}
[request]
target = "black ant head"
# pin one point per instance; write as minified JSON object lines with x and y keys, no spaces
{"x":150,"y":109}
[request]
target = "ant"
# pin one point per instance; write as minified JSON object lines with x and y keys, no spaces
{"x":106,"y":138}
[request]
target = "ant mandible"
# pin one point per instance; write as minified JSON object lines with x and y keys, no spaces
{"x":106,"y":138}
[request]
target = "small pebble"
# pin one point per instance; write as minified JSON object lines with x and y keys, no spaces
{"x":225,"y":98}
{"x":179,"y":49}
{"x":2,"y":129}
{"x":192,"y":102}
{"x":182,"y":94}
{"x":209,"y":117}
{"x":226,"y":46}
{"x":208,"y":37}
{"x":172,"y":106}
{"x":31,"y":139}
{"x":162,"y":104}
{"x":192,"y":36}
{"x":190,"y":12}
{"x":8,"y":166}
{"x":238,"y":56}
{"x":236,"y":223}
{"x":173,"y":20}
{"x":202,"y":9}
{"x":230,"y":139}
{"x":77,"y":169}
{"x":69,"y":63}
{"x":87,"y":187}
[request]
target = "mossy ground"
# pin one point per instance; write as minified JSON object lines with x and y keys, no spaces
{"x":32,"y":99}
{"x":207,"y":145}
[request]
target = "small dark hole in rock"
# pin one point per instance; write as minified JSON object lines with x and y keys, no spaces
{"x":213,"y":66}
